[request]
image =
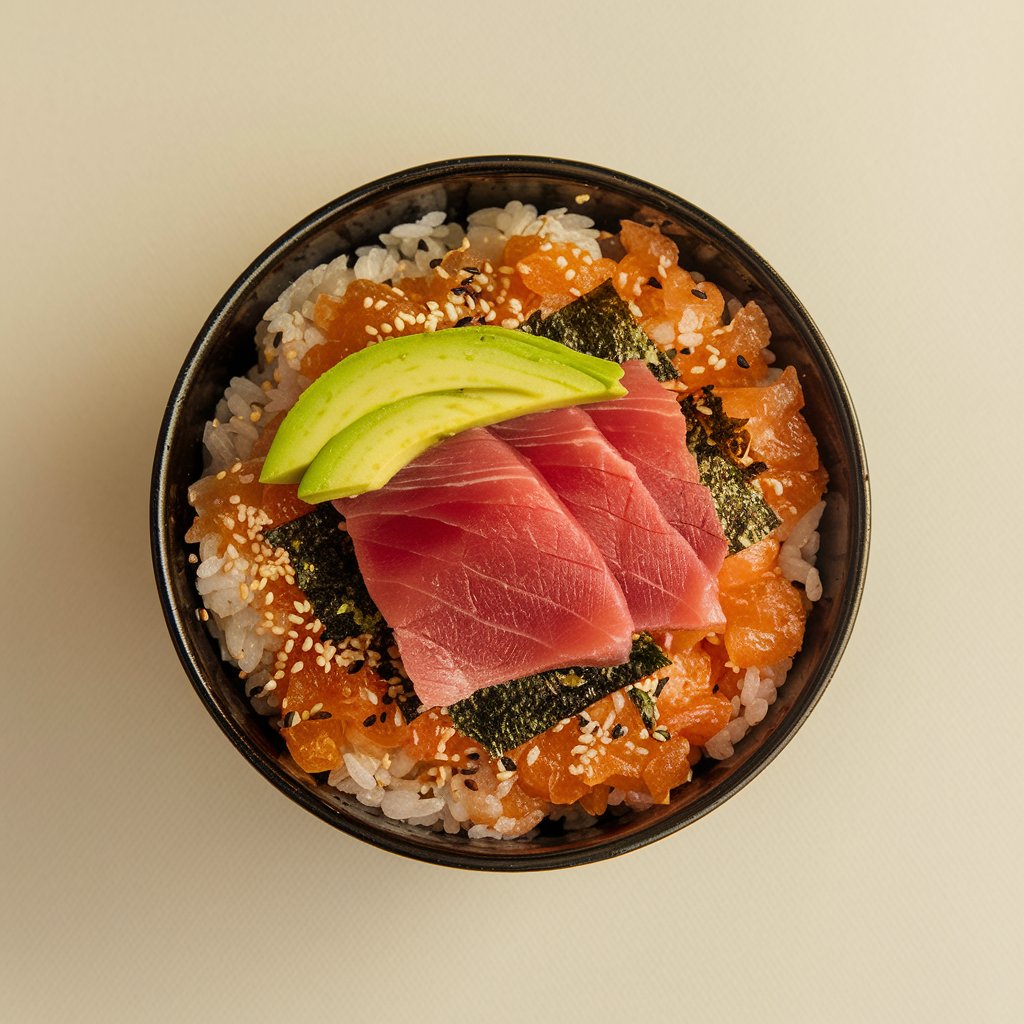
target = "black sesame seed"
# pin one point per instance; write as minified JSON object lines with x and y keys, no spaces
{"x":473,"y":756}
{"x":292,"y":718}
{"x":465,"y":321}
{"x":354,"y":668}
{"x":383,"y":716}
{"x":470,"y":784}
{"x":743,"y":362}
{"x":320,"y":715}
{"x":508,"y":764}
{"x":470,"y":270}
{"x":367,"y":722}
{"x":685,"y":351}
{"x":654,"y":282}
{"x":387,"y":699}
{"x":662,"y":683}
{"x":583,"y":720}
{"x":434,"y":263}
{"x":459,"y":290}
{"x":698,"y":293}
{"x":619,"y":730}
{"x":714,"y":689}
{"x":471,"y":771}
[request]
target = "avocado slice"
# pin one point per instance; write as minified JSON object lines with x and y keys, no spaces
{"x":368,"y":453}
{"x":476,"y":358}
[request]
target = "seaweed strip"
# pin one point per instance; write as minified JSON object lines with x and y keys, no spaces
{"x":644,"y":703}
{"x":327,"y":572}
{"x":504,"y":716}
{"x":719,"y":443}
{"x":325,"y":567}
{"x":600,"y":324}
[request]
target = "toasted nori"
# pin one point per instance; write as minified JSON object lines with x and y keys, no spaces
{"x":502,"y":717}
{"x":600,"y":324}
{"x":326,"y":570}
{"x":719,"y":442}
{"x":645,"y":705}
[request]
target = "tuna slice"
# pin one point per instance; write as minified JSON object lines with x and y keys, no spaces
{"x":665,"y":584}
{"x":482,"y":573}
{"x":649,"y":430}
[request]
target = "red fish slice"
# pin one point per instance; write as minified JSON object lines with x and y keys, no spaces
{"x":648,"y":429}
{"x":482,"y":573}
{"x":665,"y":584}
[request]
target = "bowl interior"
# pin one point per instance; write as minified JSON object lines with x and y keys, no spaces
{"x":225,"y":348}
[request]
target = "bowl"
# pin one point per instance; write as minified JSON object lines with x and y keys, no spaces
{"x":224,"y":348}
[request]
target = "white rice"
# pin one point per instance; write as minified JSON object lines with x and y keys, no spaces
{"x":385,"y":780}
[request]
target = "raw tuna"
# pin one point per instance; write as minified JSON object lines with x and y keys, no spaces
{"x":665,"y":584}
{"x":482,"y":573}
{"x":648,"y":429}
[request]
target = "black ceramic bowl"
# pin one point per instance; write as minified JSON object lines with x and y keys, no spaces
{"x":224,"y":348}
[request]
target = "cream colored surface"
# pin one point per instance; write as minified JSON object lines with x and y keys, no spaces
{"x":872,"y":152}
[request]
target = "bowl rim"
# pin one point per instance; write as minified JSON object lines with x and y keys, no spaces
{"x":162,"y":542}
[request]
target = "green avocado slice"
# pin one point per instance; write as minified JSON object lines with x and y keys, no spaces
{"x":368,"y":453}
{"x":478,"y":358}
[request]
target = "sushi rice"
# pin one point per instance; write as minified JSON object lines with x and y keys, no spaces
{"x":390,"y":781}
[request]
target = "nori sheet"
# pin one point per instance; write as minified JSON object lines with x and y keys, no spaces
{"x":502,"y":717}
{"x":325,"y":567}
{"x":326,"y":570}
{"x":718,"y":443}
{"x":600,"y":324}
{"x":644,"y":703}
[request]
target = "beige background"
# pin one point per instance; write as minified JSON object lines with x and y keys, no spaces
{"x":871,"y":151}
